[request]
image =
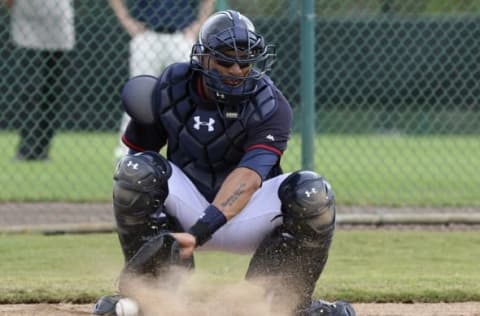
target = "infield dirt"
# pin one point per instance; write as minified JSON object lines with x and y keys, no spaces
{"x":390,"y":309}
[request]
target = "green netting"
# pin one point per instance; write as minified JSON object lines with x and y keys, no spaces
{"x":396,"y":99}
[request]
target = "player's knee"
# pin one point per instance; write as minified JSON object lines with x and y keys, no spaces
{"x":140,"y":186}
{"x":308,"y":205}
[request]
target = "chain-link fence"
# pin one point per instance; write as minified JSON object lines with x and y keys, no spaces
{"x":396,"y":94}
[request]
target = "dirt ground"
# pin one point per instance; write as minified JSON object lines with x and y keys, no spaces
{"x":454,"y":309}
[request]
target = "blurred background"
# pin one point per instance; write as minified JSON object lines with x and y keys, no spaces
{"x":396,"y":101}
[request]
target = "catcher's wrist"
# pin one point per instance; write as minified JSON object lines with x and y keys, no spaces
{"x":211,"y":220}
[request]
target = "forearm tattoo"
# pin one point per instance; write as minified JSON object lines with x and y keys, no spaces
{"x":235,"y":195}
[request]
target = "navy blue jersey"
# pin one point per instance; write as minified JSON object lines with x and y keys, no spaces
{"x":166,"y":16}
{"x":201,"y":141}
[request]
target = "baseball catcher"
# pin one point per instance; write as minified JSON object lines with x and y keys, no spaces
{"x":220,"y":187}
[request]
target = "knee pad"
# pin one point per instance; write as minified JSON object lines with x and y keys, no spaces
{"x":140,"y":186}
{"x":308,"y":205}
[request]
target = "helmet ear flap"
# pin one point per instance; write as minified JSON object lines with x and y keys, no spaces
{"x":198,"y":56}
{"x":197,"y":52}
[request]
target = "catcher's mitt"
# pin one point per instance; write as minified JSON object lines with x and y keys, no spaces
{"x":157,"y":254}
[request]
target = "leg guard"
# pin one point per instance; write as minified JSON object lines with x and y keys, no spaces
{"x":139,"y":190}
{"x":294,"y":255}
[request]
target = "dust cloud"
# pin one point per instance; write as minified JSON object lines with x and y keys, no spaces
{"x":186,"y":293}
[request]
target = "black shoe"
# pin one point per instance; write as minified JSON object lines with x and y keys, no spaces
{"x":105,"y":305}
{"x":324,"y":308}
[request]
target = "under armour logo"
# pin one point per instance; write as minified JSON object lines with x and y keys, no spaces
{"x":309,"y":193}
{"x":132,"y":165}
{"x":199,"y":123}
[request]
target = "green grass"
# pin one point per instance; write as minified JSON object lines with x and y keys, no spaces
{"x":397,"y":170}
{"x":80,"y":169}
{"x":383,"y":169}
{"x":364,"y":266}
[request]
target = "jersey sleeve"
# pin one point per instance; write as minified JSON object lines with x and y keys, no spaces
{"x":141,"y":137}
{"x":273,"y":133}
{"x":259,"y":160}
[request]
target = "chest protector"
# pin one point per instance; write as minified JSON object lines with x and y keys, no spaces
{"x":202,"y":142}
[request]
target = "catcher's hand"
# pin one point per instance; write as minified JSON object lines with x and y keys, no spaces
{"x":186,"y":243}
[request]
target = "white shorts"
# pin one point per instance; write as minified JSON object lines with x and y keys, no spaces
{"x":241,"y":234}
{"x":151,"y":52}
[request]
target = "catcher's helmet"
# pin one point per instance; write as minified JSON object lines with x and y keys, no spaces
{"x":231,"y":31}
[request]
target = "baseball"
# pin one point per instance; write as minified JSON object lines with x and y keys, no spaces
{"x":127,"y":307}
